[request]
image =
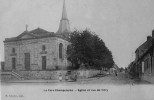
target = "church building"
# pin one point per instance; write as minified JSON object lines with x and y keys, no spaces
{"x":38,"y":49}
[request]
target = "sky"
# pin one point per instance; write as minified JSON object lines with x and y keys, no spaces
{"x":122,"y":24}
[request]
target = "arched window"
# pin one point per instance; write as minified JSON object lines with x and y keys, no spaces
{"x":60,"y":50}
{"x":13,"y":50}
{"x":43,"y":47}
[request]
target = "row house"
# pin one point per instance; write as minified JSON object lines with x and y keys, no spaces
{"x":144,"y":62}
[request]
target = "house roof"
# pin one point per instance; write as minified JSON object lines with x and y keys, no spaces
{"x":115,"y":66}
{"x":148,"y":51}
{"x":146,"y":45}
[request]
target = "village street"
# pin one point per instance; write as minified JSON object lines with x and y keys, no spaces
{"x":121,"y":79}
{"x":118,"y":86}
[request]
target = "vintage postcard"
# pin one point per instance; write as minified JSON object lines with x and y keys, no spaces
{"x":77,"y":50}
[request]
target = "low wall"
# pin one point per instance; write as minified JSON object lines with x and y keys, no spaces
{"x":52,"y":75}
{"x":37,"y":75}
{"x":7,"y":77}
{"x":149,"y":78}
{"x":87,"y":73}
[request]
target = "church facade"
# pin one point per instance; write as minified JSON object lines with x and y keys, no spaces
{"x":38,"y":49}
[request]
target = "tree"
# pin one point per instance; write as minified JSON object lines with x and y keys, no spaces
{"x":88,"y":49}
{"x":122,"y":69}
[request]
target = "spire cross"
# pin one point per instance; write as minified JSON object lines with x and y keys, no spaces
{"x":26,"y":27}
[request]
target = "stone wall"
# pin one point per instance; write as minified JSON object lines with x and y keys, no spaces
{"x":7,"y":77}
{"x":148,"y":77}
{"x":54,"y":75}
{"x":38,"y":75}
{"x":62,"y":63}
{"x":87,"y":73}
{"x":34,"y":47}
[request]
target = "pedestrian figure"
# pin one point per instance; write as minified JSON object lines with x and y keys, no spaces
{"x":66,"y":77}
{"x":75,"y":77}
{"x":115,"y":72}
{"x":60,"y":77}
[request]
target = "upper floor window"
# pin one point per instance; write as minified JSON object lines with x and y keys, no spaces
{"x":43,"y":47}
{"x":60,"y":50}
{"x":13,"y":50}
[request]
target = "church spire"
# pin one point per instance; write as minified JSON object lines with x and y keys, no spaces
{"x":64,"y":26}
{"x":64,"y":13}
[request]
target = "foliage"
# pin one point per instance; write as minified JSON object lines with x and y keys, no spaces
{"x":88,"y":49}
{"x":122,"y":69}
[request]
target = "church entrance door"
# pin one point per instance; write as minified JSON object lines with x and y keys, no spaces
{"x":27,"y":61}
{"x":43,"y":62}
{"x":13,"y":63}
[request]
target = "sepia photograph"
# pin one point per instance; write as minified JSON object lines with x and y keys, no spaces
{"x":76,"y":49}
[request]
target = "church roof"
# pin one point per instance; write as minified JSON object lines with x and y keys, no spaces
{"x":34,"y":34}
{"x":63,"y":31}
{"x":39,"y":32}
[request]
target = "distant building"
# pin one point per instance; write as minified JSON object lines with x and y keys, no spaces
{"x":116,"y":67}
{"x":132,"y":70}
{"x":144,"y":62}
{"x":38,"y":49}
{"x":113,"y":69}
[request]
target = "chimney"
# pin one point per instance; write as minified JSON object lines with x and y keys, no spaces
{"x":148,"y":38}
{"x":153,"y":33}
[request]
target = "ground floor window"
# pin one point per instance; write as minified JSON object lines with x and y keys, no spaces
{"x":43,"y":62}
{"x":27,"y":61}
{"x":13,"y":63}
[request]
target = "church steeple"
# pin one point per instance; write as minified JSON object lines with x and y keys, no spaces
{"x":64,"y":26}
{"x":64,"y":13}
